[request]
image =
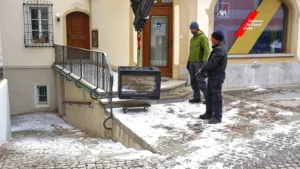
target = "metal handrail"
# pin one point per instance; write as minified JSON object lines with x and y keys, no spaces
{"x":1,"y":72}
{"x":90,"y":65}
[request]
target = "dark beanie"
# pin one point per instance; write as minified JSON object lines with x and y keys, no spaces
{"x":194,"y":25}
{"x":218,"y":35}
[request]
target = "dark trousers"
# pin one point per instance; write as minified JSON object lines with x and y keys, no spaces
{"x":197,"y":82}
{"x":214,"y":102}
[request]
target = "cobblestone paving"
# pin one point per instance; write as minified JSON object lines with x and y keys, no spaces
{"x":43,"y":140}
{"x":40,"y":142}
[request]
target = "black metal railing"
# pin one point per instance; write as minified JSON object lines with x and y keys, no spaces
{"x":92,"y":66}
{"x":1,"y":72}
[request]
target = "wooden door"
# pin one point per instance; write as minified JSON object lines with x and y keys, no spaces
{"x":78,"y":30}
{"x":158,"y":39}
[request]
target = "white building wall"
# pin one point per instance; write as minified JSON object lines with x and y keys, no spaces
{"x":28,"y":66}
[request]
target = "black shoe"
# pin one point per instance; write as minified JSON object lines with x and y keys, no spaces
{"x":205,"y":117}
{"x":204,"y":102}
{"x":214,"y":121}
{"x":195,"y":100}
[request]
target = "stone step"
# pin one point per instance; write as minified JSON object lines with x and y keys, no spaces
{"x":178,"y":95}
{"x":166,"y":87}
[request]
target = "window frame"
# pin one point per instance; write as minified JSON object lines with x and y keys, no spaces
{"x":37,"y":103}
{"x":28,"y":34}
{"x":287,"y":52}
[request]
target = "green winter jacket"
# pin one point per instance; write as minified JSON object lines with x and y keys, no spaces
{"x":199,"y":48}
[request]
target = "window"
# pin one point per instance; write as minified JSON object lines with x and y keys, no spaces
{"x":41,"y":93}
{"x":95,"y":38}
{"x":163,"y":1}
{"x":38,"y":25}
{"x":252,"y":26}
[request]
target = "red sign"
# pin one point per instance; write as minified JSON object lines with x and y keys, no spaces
{"x":246,"y":23}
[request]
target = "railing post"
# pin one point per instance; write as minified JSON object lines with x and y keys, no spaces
{"x":63,"y":49}
{"x":97,"y":69}
{"x":103,"y":73}
{"x":81,"y":65}
{"x":71,"y":65}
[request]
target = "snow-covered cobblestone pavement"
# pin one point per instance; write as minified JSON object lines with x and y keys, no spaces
{"x":260,"y":129}
{"x":253,"y":131}
{"x":43,"y":140}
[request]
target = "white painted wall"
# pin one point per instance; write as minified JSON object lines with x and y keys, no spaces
{"x":12,"y":27}
{"x":5,"y":131}
{"x":202,"y":17}
{"x":111,"y":18}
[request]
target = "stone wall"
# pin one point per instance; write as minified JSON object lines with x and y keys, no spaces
{"x":128,"y":138}
{"x":91,"y":119}
{"x":81,"y":116}
{"x":264,"y":75}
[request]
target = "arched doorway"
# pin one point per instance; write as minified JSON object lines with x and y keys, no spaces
{"x":78,"y":30}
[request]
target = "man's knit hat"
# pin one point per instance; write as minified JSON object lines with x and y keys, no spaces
{"x":194,"y":25}
{"x":218,"y":35}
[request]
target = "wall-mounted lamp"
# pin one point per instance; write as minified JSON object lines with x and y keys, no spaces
{"x":58,"y":17}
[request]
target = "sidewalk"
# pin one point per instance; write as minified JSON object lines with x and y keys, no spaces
{"x":260,"y":129}
{"x":253,"y":129}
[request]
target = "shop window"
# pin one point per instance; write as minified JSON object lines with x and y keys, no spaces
{"x":38,"y":25}
{"x":252,"y":26}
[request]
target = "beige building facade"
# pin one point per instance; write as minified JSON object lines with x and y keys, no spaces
{"x":31,"y":27}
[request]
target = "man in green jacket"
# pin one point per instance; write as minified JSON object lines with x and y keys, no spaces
{"x":199,"y":51}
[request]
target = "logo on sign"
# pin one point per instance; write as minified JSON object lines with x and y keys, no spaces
{"x":158,"y":25}
{"x":223,"y":10}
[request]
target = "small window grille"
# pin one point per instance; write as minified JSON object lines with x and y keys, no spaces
{"x":38,"y":25}
{"x":42,"y":94}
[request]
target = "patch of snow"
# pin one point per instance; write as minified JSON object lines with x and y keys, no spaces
{"x":79,"y":133}
{"x":256,"y":88}
{"x":285,"y":113}
{"x":155,"y":123}
{"x":256,"y":121}
{"x":260,"y":90}
{"x":133,"y":154}
{"x":253,"y":87}
{"x":254,"y":105}
{"x":235,"y":103}
{"x":216,"y":166}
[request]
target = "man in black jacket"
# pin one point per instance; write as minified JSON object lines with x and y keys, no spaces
{"x":215,"y":66}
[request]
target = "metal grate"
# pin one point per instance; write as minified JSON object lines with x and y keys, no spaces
{"x":38,"y":24}
{"x":42,"y":95}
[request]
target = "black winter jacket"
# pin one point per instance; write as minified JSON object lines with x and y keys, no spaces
{"x":217,"y":62}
